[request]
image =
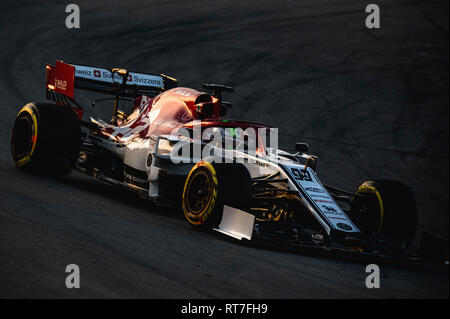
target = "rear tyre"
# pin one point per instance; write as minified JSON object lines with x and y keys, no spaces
{"x":45,"y":139}
{"x":209,"y":187}
{"x":387,"y":207}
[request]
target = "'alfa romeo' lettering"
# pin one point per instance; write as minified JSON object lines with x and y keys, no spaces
{"x":61,"y":84}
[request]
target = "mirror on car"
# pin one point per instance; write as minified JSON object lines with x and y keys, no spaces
{"x":121,"y":72}
{"x":301,"y":147}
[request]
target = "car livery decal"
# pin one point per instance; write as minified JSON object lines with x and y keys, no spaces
{"x":104,"y":75}
{"x":312,"y":189}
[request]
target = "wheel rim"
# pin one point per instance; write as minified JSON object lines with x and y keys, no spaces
{"x":199,"y":193}
{"x":369,"y":210}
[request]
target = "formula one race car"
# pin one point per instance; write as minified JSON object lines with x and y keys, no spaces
{"x":175,"y":149}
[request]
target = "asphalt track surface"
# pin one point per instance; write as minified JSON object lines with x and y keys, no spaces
{"x":371,"y":103}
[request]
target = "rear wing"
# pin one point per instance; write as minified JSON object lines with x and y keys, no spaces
{"x":63,"y":78}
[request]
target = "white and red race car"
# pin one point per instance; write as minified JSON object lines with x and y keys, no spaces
{"x":174,"y":148}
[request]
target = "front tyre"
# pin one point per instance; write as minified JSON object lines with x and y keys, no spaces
{"x":209,"y":187}
{"x":45,"y":139}
{"x":387,"y":207}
